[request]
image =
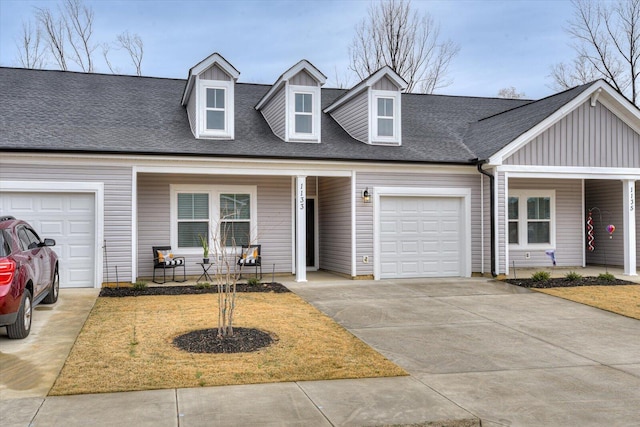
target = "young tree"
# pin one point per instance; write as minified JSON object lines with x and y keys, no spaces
{"x":607,"y":44}
{"x":393,"y":34}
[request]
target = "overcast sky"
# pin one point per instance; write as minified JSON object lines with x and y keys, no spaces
{"x":502,"y":43}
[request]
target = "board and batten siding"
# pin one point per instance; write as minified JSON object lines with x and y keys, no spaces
{"x":275,"y":115}
{"x":334,"y":224}
{"x":385,"y":84}
{"x":587,"y":136}
{"x":117,"y":203}
{"x":606,"y":196}
{"x":569,"y":229}
{"x":215,"y":73}
{"x":274,"y":217}
{"x":353,"y":117}
{"x":303,"y":79}
{"x":364,"y":212}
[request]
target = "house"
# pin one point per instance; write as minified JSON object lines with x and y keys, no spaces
{"x":368,"y":182}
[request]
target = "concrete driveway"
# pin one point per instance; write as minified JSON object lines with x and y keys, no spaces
{"x":478,"y":351}
{"x":507,"y":355}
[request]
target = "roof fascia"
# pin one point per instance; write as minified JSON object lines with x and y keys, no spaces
{"x":600,"y":87}
{"x":367,"y":83}
{"x":287,"y":75}
{"x":214,"y":58}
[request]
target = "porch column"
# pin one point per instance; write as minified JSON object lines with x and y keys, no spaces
{"x":301,"y":229}
{"x":629,"y":219}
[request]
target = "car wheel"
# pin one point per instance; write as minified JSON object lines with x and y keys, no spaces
{"x":52,"y":296}
{"x":22,"y":326}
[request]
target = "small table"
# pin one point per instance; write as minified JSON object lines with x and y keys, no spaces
{"x":205,"y":271}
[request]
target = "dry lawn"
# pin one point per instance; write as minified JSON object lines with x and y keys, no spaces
{"x":622,"y":299}
{"x":126,"y":344}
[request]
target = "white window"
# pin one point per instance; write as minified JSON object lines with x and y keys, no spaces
{"x":216,"y":109}
{"x":531,"y":219}
{"x":304,"y":114}
{"x":385,"y":117}
{"x":225,"y":214}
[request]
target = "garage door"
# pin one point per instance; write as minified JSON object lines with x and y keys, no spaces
{"x":421,"y":237}
{"x":69,"y":218}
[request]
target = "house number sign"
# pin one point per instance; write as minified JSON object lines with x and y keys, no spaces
{"x":632,"y":199}
{"x":301,"y":196}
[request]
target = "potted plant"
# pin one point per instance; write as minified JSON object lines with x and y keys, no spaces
{"x":204,"y":242}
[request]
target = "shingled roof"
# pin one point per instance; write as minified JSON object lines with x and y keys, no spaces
{"x":55,"y":111}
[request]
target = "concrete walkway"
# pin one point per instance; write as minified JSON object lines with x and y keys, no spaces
{"x":476,"y":349}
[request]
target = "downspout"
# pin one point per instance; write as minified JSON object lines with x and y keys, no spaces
{"x":492,"y":191}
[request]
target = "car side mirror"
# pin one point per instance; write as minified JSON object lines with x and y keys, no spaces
{"x":49,"y":242}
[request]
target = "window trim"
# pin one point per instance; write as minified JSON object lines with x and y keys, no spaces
{"x":523,"y":219}
{"x":228,"y":131}
{"x":292,"y":135}
{"x":214,"y":192}
{"x":396,"y":138}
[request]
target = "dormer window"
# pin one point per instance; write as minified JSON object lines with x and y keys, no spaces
{"x":385,"y":125}
{"x":304,"y":117}
{"x":304,"y":113}
{"x":216,"y":109}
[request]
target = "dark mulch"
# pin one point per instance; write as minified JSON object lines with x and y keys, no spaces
{"x":189,"y":290}
{"x":244,"y":340}
{"x":563,"y":282}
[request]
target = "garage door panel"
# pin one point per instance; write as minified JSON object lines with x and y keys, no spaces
{"x":69,"y":218}
{"x":430,"y":239}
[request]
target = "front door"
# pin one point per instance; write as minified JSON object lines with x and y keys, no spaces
{"x":311,"y":233}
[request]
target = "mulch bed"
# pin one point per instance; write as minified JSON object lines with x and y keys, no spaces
{"x":563,"y":282}
{"x":244,"y":340}
{"x":189,"y":290}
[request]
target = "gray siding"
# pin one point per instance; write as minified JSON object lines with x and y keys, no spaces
{"x":364,"y":212}
{"x":117,"y":203}
{"x":303,"y":79}
{"x":569,"y":227}
{"x":588,"y":136}
{"x":275,"y":113}
{"x":215,"y":73}
{"x":607,"y":197}
{"x":191,"y":111}
{"x":334,"y":224}
{"x":354,"y":117}
{"x":385,"y":84}
{"x":274,"y":217}
{"x":500,"y":219}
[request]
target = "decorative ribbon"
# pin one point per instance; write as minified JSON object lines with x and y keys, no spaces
{"x":590,"y":237}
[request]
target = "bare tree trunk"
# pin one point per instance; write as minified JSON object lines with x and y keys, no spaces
{"x":30,"y":53}
{"x":78,"y":21}
{"x":132,"y":43}
{"x":54,"y":32}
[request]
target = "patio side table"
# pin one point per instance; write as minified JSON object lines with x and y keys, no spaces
{"x":205,"y":271}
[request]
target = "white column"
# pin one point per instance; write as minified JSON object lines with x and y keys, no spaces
{"x":629,"y":218}
{"x":301,"y":229}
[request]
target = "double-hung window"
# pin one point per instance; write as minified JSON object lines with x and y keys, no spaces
{"x":531,"y":218}
{"x":303,"y":118}
{"x":303,"y":122}
{"x":385,"y":117}
{"x":222,"y":214}
{"x":215,"y":109}
{"x":216,"y":102}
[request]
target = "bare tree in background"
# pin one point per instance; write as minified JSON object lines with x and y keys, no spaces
{"x":395,"y":35}
{"x":510,"y":93}
{"x":30,"y":49}
{"x":132,"y":43}
{"x":53,"y":29}
{"x":607,"y":43}
{"x":78,"y":21}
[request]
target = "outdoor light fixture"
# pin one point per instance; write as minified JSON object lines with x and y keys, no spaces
{"x":366,"y":197}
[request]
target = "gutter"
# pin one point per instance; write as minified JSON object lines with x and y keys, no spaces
{"x":492,"y":191}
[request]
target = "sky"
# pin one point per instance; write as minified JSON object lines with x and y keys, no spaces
{"x":502,"y":43}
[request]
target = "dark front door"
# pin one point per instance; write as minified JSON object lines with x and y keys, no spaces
{"x":311,"y":235}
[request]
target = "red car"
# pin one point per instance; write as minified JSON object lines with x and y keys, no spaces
{"x":28,"y":275}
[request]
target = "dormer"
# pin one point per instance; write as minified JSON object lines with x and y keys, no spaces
{"x":209,"y":98}
{"x":371,"y":111}
{"x":291,"y":107}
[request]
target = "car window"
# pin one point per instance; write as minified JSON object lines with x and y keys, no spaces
{"x":34,"y":240}
{"x":24,"y":239}
{"x":5,"y":246}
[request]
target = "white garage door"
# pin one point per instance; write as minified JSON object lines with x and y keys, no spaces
{"x":69,"y":218}
{"x":421,"y":237}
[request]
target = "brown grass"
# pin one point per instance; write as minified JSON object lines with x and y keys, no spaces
{"x":622,"y":299}
{"x":126,"y":344}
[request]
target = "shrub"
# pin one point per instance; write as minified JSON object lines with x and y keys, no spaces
{"x":573,"y":276}
{"x":606,"y":277}
{"x":205,"y":285}
{"x":139,"y":285}
{"x":540,"y":276}
{"x":253,"y":281}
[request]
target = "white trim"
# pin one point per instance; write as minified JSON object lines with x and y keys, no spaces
{"x":374,"y":138}
{"x":584,"y":221}
{"x":301,"y":228}
{"x":570,"y":172}
{"x":523,"y":219}
{"x":291,"y":134}
{"x":293,"y":225}
{"x":629,"y":208}
{"x":507,"y":253}
{"x":201,"y":107}
{"x":463,"y":193}
{"x":624,"y":110}
{"x":203,"y":65}
{"x":214,"y":192}
{"x":134,"y":224}
{"x":97,"y":188}
{"x":284,"y":80}
{"x":354,"y":224}
{"x":481,"y":223}
{"x":496,"y":226}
